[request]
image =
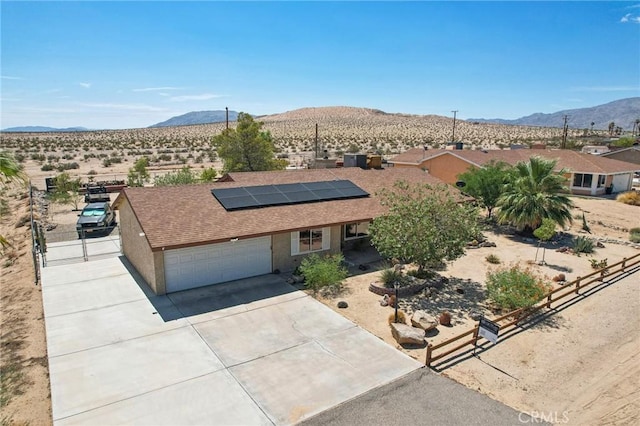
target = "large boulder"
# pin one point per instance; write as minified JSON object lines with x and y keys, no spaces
{"x":407,"y":335}
{"x":420,"y":319}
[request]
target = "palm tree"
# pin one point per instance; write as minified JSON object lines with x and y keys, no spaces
{"x":10,"y":170}
{"x":534,"y":192}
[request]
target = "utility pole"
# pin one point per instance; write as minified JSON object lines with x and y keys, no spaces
{"x":316,"y":154}
{"x":565,"y":129}
{"x":227,"y":110}
{"x":453,"y":135}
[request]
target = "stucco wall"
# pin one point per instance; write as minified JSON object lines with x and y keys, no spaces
{"x":281,"y":247}
{"x":136,"y":248}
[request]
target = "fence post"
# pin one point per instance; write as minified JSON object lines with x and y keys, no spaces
{"x":602,"y":272}
{"x":578,"y":285}
{"x":429,"y":350}
{"x":622,"y":266}
{"x":548,"y":301}
{"x":84,"y":246}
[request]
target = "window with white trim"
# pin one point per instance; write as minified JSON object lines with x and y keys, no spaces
{"x":356,"y":230}
{"x":582,"y":180}
{"x":310,"y":240}
{"x":601,"y":180}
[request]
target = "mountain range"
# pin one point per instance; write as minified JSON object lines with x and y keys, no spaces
{"x":198,"y":117}
{"x":623,"y":113}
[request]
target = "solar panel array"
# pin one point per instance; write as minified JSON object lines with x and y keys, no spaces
{"x":251,"y":197}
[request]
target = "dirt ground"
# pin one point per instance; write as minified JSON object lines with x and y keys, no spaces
{"x":580,"y":365}
{"x":599,"y":376}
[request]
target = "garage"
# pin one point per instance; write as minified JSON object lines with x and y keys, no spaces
{"x":199,"y":266}
{"x":621,"y":182}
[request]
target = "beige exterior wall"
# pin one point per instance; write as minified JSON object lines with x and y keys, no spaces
{"x":149,"y":265}
{"x":281,"y":250}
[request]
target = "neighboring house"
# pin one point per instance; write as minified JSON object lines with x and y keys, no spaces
{"x":182,"y":237}
{"x":588,"y":174}
{"x":595,"y":149}
{"x":630,"y":155}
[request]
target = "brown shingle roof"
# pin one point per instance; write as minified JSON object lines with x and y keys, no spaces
{"x":574,"y":161}
{"x":179,"y":216}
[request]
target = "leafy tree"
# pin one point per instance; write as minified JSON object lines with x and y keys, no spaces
{"x":183,"y":176}
{"x":535,"y":191}
{"x":67,"y":190}
{"x":424,"y":225}
{"x":208,"y":175}
{"x":247,"y":148}
{"x":138,"y":174}
{"x":545,"y":232}
{"x":487,"y":183}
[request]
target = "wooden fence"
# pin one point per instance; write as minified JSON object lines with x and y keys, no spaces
{"x":458,"y":342}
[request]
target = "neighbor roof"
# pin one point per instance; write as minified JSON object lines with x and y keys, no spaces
{"x":574,"y":161}
{"x":187,"y":215}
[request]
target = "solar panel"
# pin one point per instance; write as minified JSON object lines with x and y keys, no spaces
{"x":249,"y":197}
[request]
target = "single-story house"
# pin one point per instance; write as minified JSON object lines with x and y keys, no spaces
{"x":248,"y":224}
{"x":630,"y":154}
{"x":588,"y":174}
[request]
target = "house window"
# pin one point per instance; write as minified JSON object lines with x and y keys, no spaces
{"x":310,"y":240}
{"x":356,"y":230}
{"x":582,"y":180}
{"x":601,"y":180}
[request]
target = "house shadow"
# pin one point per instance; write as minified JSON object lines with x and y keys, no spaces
{"x":212,"y":298}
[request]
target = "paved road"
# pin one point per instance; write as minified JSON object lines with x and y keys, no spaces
{"x":421,"y":398}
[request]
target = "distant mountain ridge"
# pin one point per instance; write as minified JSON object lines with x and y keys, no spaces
{"x":198,"y":117}
{"x":38,"y":129}
{"x":623,"y":112}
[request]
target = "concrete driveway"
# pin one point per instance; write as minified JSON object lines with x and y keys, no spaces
{"x":254,"y":351}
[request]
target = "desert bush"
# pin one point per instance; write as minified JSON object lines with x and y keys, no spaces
{"x":492,"y":258}
{"x":320,"y":272}
{"x":402,"y":318}
{"x":514,"y":287}
{"x":634,"y":235}
{"x":598,"y":264}
{"x":67,"y":166}
{"x":390,"y":276}
{"x":47,"y":167}
{"x":582,"y":245}
{"x":632,"y":198}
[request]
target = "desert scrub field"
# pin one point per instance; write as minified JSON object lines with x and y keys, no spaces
{"x":341,"y":129}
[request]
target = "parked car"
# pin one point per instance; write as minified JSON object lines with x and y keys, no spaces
{"x":95,"y":217}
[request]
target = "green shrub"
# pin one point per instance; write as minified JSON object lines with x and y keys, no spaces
{"x":424,"y":274}
{"x":513,"y":287}
{"x":46,"y":167}
{"x":634,"y":235}
{"x":390,"y":276}
{"x":492,"y":258}
{"x":325,"y":271}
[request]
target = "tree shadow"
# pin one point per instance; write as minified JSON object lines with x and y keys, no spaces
{"x":458,"y":297}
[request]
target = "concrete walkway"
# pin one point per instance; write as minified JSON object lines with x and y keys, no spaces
{"x":250,"y":352}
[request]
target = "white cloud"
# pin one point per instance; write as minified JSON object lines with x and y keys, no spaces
{"x":630,"y":18}
{"x":128,"y":107}
{"x":156,"y":89}
{"x":85,"y":85}
{"x":8,"y":77}
{"x":202,"y":97}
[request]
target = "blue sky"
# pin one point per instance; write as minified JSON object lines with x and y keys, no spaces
{"x":106,"y":65}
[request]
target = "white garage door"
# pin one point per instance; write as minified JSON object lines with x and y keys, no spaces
{"x":216,"y":263}
{"x":621,"y":182}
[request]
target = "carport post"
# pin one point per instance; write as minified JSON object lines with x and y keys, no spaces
{"x":84,"y":246}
